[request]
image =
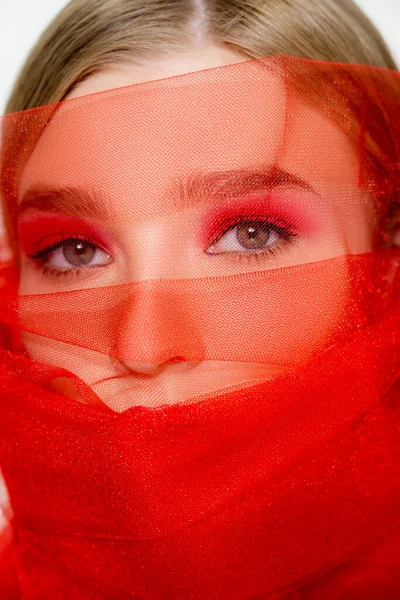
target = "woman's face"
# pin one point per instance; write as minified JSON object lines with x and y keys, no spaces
{"x":167,"y":189}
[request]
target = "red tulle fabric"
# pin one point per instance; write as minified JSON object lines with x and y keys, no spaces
{"x":285,"y":485}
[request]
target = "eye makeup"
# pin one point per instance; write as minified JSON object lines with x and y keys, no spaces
{"x":288,"y":214}
{"x":287,"y":211}
{"x":39,"y":232}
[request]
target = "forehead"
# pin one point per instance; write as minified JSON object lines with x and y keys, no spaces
{"x":136,"y":142}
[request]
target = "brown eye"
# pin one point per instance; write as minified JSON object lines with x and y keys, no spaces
{"x":73,"y":254}
{"x":253,"y":235}
{"x":78,"y":252}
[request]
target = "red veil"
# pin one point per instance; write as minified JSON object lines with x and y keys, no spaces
{"x":284,"y":483}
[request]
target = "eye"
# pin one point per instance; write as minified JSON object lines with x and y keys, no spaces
{"x":250,"y":236}
{"x":73,"y":253}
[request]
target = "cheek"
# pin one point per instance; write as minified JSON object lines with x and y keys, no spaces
{"x":29,"y":283}
{"x":281,"y":318}
{"x":86,"y":364}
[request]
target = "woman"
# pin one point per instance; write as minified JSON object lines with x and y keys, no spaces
{"x":215,"y":239}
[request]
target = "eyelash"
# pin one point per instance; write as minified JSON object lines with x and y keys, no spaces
{"x":283,"y":230}
{"x":56,"y":273}
{"x":40,"y":259}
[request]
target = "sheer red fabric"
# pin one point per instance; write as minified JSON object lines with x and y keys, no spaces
{"x":199,"y":393}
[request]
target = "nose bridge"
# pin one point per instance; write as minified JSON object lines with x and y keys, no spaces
{"x":155,"y":325}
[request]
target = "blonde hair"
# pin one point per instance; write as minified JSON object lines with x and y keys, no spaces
{"x":90,"y":35}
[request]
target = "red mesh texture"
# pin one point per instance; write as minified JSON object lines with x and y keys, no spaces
{"x":199,"y":392}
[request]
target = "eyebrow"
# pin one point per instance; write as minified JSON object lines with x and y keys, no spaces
{"x":197,"y":188}
{"x":72,"y":201}
{"x":219,"y":186}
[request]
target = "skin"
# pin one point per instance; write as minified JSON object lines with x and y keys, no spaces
{"x":150,"y":237}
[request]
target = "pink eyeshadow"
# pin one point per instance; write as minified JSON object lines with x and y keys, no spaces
{"x":288,"y":210}
{"x":38,"y":232}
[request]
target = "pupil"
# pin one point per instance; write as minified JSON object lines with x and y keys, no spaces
{"x":78,"y":253}
{"x":252,"y":232}
{"x":253,"y":236}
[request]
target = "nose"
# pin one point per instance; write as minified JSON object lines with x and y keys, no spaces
{"x":151,"y":369}
{"x":155,"y":328}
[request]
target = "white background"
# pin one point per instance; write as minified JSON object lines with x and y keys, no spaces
{"x":22,"y":21}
